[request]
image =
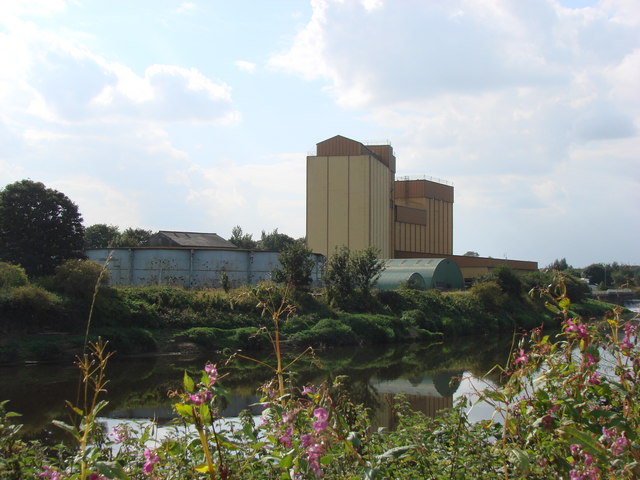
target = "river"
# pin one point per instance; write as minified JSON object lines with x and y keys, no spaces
{"x":433,"y":376}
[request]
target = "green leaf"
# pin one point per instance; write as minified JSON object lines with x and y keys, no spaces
{"x":370,"y":473}
{"x":65,"y":426}
{"x":583,"y":439}
{"x":396,"y":452}
{"x":354,"y":439}
{"x":564,"y":304}
{"x":112,"y":470}
{"x":187,"y":381}
{"x":521,"y":460}
{"x":286,"y":462}
{"x":184,"y":410}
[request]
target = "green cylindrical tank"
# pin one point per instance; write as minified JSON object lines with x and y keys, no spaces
{"x":441,"y":273}
{"x":392,"y":279}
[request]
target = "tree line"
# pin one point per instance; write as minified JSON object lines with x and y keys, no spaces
{"x":41,"y":228}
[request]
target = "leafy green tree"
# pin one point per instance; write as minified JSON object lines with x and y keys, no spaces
{"x":12,"y":276}
{"x":508,"y":280}
{"x":296,"y":265}
{"x":350,"y":276}
{"x":241,"y":239}
{"x":471,"y":253}
{"x":366,"y":268}
{"x":133,"y":237}
{"x":559,"y":264}
{"x":39,"y":227}
{"x":101,"y":235}
{"x":337,"y":278}
{"x":274,"y":241}
{"x":595,"y":273}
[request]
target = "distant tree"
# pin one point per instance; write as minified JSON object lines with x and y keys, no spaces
{"x":274,"y":241}
{"x":337,"y":278}
{"x":241,"y":239}
{"x":508,"y":280}
{"x":40,"y":227}
{"x":133,"y":237}
{"x":559,"y":264}
{"x":595,"y":273}
{"x":101,"y":235}
{"x":471,"y":253}
{"x":296,"y":265}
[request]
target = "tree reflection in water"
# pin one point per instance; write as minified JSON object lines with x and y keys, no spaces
{"x":430,"y":375}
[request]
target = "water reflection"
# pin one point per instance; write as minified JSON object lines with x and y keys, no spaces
{"x":431,"y":376}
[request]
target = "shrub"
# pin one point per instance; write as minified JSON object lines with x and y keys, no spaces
{"x":12,"y":275}
{"x":508,"y":280}
{"x":78,"y":278}
{"x":489,"y":294}
{"x":29,"y":307}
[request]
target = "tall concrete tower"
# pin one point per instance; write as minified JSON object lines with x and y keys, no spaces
{"x":350,"y":198}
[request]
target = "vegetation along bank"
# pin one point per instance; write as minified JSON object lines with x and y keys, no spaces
{"x":46,"y":319}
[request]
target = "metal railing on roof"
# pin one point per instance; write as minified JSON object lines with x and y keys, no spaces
{"x":406,"y":178}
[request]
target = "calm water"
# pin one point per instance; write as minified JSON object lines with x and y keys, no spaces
{"x":433,"y":376}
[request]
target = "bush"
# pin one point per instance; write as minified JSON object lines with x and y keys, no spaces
{"x":12,"y":275}
{"x":78,"y":278}
{"x":489,"y":294}
{"x":508,"y":280}
{"x":29,"y":307}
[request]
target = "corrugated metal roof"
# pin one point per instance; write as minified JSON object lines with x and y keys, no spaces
{"x":190,"y":239}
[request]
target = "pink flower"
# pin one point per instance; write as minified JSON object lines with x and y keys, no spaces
{"x":578,"y":328}
{"x":307,"y":390}
{"x":591,"y":359}
{"x":522,"y":358}
{"x":49,"y":473}
{"x":152,"y":459}
{"x":97,"y":476}
{"x":120,"y":433}
{"x":212,"y":371}
{"x":322,"y":415}
{"x":286,"y":438}
{"x":618,"y":445}
{"x":594,"y":379}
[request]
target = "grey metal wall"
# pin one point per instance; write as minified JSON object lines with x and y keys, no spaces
{"x":190,"y":268}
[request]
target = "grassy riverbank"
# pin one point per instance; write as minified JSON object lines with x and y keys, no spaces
{"x":47,"y":321}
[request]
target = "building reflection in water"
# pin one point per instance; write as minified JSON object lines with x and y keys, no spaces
{"x":427,"y":394}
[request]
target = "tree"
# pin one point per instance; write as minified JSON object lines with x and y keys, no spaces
{"x":242,"y":240}
{"x":349,"y":276}
{"x":559,"y":265}
{"x":133,"y":237}
{"x":366,"y":268}
{"x":296,"y":265}
{"x":40,"y":227}
{"x":508,"y":280}
{"x":101,"y":235}
{"x":471,"y":253}
{"x":274,"y":241}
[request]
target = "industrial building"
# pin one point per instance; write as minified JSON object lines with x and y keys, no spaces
{"x":354,"y":199}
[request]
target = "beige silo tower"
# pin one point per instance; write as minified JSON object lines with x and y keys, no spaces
{"x":350,"y":199}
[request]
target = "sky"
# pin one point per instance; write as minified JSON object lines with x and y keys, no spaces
{"x":198,"y":115}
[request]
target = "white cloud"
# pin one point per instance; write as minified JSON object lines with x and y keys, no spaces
{"x":185,"y":7}
{"x":256,"y":196}
{"x":245,"y":66}
{"x":100,"y":202}
{"x":497,"y":96}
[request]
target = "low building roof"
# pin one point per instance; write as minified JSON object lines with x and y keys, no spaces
{"x":189,"y":239}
